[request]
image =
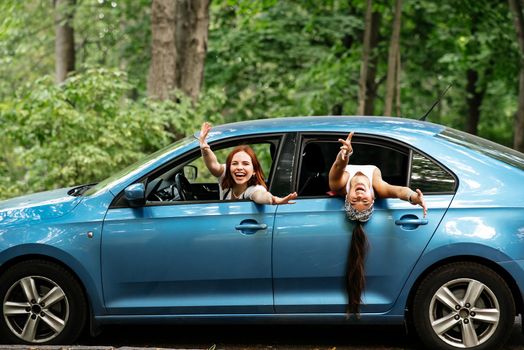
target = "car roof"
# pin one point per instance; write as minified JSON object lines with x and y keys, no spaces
{"x":400,"y":128}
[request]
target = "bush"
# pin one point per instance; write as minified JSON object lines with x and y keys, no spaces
{"x":85,"y":129}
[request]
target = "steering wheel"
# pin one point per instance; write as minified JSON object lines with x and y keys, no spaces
{"x":184,"y":187}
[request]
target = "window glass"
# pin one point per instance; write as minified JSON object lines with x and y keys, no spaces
{"x":429,"y":177}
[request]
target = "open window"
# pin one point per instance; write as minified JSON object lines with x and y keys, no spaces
{"x":188,"y":179}
{"x":399,"y":165}
{"x":319,"y":152}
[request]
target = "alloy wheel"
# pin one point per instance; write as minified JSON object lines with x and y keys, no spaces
{"x":35,"y":309}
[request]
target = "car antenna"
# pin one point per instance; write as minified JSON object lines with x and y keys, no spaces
{"x":436,"y":103}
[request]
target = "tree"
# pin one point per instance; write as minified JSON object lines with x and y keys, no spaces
{"x":192,"y":24}
{"x":518,"y":20}
{"x":162,"y":72}
{"x":179,"y":47}
{"x":65,"y":38}
{"x":393,"y":60}
{"x":362,"y":84}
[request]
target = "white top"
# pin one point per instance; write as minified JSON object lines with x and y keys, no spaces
{"x":367,"y":170}
{"x":228,"y":192}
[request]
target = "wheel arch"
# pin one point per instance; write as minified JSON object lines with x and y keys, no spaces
{"x":13,"y":256}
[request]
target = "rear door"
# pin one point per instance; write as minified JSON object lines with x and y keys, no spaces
{"x":311,"y":238}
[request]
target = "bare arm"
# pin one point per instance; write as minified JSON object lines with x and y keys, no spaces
{"x":385,"y":190}
{"x":337,"y":176}
{"x":265,"y":197}
{"x":210,"y":159}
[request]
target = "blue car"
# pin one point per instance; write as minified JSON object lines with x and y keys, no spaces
{"x":154,"y":243}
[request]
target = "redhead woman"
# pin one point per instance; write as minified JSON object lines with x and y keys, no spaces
{"x":360,"y":184}
{"x":242,"y":176}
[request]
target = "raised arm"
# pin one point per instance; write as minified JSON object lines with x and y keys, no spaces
{"x":210,"y":160}
{"x":385,"y":190}
{"x":337,"y":176}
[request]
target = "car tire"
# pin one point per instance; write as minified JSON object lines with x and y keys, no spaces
{"x":463,"y":305}
{"x":42,"y":303}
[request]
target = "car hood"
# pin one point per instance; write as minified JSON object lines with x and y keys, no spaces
{"x":38,"y":206}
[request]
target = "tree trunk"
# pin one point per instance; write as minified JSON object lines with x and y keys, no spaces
{"x":162,"y":72}
{"x":397,"y":84}
{"x":192,"y":24}
{"x":394,"y":47}
{"x":518,"y":20}
{"x":371,"y":85}
{"x":475,"y":96}
{"x":366,"y":48}
{"x":65,"y":38}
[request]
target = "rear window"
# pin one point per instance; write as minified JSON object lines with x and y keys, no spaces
{"x":489,"y":148}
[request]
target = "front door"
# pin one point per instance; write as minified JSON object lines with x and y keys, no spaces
{"x":188,"y":258}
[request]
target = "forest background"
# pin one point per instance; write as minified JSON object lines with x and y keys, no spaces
{"x":90,"y":86}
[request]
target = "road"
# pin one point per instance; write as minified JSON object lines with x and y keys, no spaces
{"x":268,"y":337}
{"x":282,"y":337}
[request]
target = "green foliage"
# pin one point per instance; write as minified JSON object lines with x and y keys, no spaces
{"x":266,"y":58}
{"x":85,"y":129}
{"x":281,"y":57}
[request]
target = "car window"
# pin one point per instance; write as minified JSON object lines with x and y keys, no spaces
{"x":430,"y":177}
{"x":164,"y":186}
{"x":262,"y":150}
{"x":318,"y":155}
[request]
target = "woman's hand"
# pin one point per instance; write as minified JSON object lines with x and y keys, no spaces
{"x":204,"y":131}
{"x":418,"y":198}
{"x":346,"y":149}
{"x":284,"y":200}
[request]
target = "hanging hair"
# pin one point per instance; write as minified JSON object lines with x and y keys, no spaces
{"x":257,"y":179}
{"x":355,"y":268}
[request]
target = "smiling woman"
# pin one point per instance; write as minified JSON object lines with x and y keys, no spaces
{"x":242,"y":176}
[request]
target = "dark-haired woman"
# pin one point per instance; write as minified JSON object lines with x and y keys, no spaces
{"x":242,"y":176}
{"x":360,"y":184}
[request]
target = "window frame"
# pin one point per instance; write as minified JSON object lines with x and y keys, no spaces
{"x":272,"y":138}
{"x":304,"y":138}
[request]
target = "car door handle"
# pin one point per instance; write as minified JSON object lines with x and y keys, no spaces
{"x":250,"y":226}
{"x":410,"y":222}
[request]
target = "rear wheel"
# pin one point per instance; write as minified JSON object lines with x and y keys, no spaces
{"x":42,"y":303}
{"x":462,"y":306}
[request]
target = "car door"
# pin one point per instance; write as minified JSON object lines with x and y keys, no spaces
{"x":200,"y":256}
{"x":312,"y":237}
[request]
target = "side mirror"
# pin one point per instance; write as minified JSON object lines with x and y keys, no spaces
{"x":135,"y":195}
{"x":190,"y":172}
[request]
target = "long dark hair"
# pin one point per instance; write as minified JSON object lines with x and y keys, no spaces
{"x":355,"y":268}
{"x":257,"y":179}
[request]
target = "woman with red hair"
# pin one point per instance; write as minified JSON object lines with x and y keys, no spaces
{"x":242,"y":176}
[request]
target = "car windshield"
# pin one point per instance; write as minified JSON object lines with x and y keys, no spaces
{"x":489,"y":148}
{"x":139,"y":165}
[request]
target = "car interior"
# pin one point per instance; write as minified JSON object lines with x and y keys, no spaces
{"x":190,"y":180}
{"x":318,"y":155}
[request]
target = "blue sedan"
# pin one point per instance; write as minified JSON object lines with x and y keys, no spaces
{"x":154,"y":243}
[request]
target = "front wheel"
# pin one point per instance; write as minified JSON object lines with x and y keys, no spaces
{"x":42,"y":303}
{"x":463,"y":306}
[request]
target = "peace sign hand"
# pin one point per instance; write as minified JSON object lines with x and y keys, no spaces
{"x":346,"y":149}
